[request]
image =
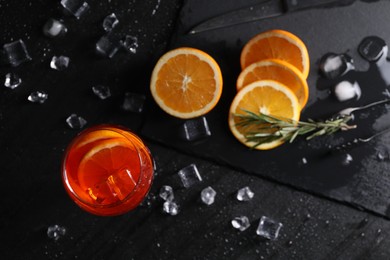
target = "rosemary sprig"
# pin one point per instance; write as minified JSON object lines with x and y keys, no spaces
{"x":263,"y":128}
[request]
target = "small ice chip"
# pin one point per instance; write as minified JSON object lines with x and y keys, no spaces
{"x":16,"y":52}
{"x":241,"y":223}
{"x":347,"y":159}
{"x":76,"y":122}
{"x":130,"y":43}
{"x":171,"y":208}
{"x":268,"y":228}
{"x":208,"y":195}
{"x":12,"y":81}
{"x":345,"y":90}
{"x":76,"y":7}
{"x":55,"y":232}
{"x":166,"y":193}
{"x":133,"y":102}
{"x":110,"y":22}
{"x":189,"y":175}
{"x":59,"y":63}
{"x":54,"y":28}
{"x":196,"y":129}
{"x":38,"y":97}
{"x":245,"y":194}
{"x":335,"y":65}
{"x":101,"y":91}
{"x":304,"y":160}
{"x":108,"y":45}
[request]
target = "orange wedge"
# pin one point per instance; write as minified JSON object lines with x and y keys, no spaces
{"x":277,"y":70}
{"x":268,"y":97}
{"x":276,"y":44}
{"x":186,"y":82}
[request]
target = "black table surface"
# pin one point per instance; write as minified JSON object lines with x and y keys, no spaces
{"x":327,"y":211}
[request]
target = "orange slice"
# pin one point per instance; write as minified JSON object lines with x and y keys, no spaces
{"x":277,"y":70}
{"x":109,"y":171}
{"x":276,"y":44}
{"x":186,"y":82}
{"x":268,"y":97}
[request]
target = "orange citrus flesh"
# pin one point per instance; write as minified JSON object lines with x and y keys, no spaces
{"x":276,"y":44}
{"x":186,"y":82}
{"x":268,"y":97}
{"x":277,"y":70}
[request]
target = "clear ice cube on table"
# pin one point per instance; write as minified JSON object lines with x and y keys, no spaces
{"x":108,"y":45}
{"x":195,"y":129}
{"x":133,"y":102}
{"x":208,"y":195}
{"x":76,"y":7}
{"x":372,"y":48}
{"x":241,"y":223}
{"x":335,"y":65}
{"x":245,"y":194}
{"x":171,"y":208}
{"x":130,"y":43}
{"x":59,"y":63}
{"x":12,"y":81}
{"x":189,"y":175}
{"x":166,"y":193}
{"x":16,"y":52}
{"x":268,"y":228}
{"x":54,"y":28}
{"x":110,"y":22}
{"x":76,"y":122}
{"x":55,"y":232}
{"x":101,"y":91}
{"x":38,"y":97}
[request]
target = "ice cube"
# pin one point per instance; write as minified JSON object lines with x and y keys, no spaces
{"x":108,"y":45}
{"x":110,"y":22}
{"x":335,"y":65}
{"x":76,"y":122}
{"x":16,"y":52}
{"x":59,"y":63}
{"x":166,"y":193}
{"x":208,"y":195}
{"x":38,"y":97}
{"x":196,"y":129}
{"x":189,"y":175}
{"x":345,"y":90}
{"x":101,"y":91}
{"x":55,"y":232}
{"x":245,"y":194}
{"x":12,"y":81}
{"x":76,"y":7}
{"x":269,"y":228}
{"x":54,"y":28}
{"x":133,"y":102}
{"x":241,"y":223}
{"x":121,"y":183}
{"x":171,"y":208}
{"x":372,"y":48}
{"x":347,"y":159}
{"x":130,"y":43}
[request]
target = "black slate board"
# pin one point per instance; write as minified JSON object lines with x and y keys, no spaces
{"x":365,"y":181}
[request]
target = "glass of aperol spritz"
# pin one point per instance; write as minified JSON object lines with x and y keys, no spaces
{"x":107,"y":170}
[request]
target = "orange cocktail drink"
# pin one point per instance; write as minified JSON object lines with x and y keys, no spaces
{"x":107,"y":170}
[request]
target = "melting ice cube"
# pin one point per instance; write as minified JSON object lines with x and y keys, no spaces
{"x":101,"y":91}
{"x":345,"y":90}
{"x":241,"y":223}
{"x":38,"y":97}
{"x":196,"y":129}
{"x":76,"y":122}
{"x":16,"y":52}
{"x":108,"y":45}
{"x":55,"y":232}
{"x":245,"y":194}
{"x":189,"y":175}
{"x":110,"y":22}
{"x":166,"y":193}
{"x":372,"y":48}
{"x":75,"y":7}
{"x":59,"y":63}
{"x":269,"y":228}
{"x":133,"y":102}
{"x":335,"y":65}
{"x":170,"y":208}
{"x":208,"y":195}
{"x":12,"y":81}
{"x":130,"y":43}
{"x":54,"y":28}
